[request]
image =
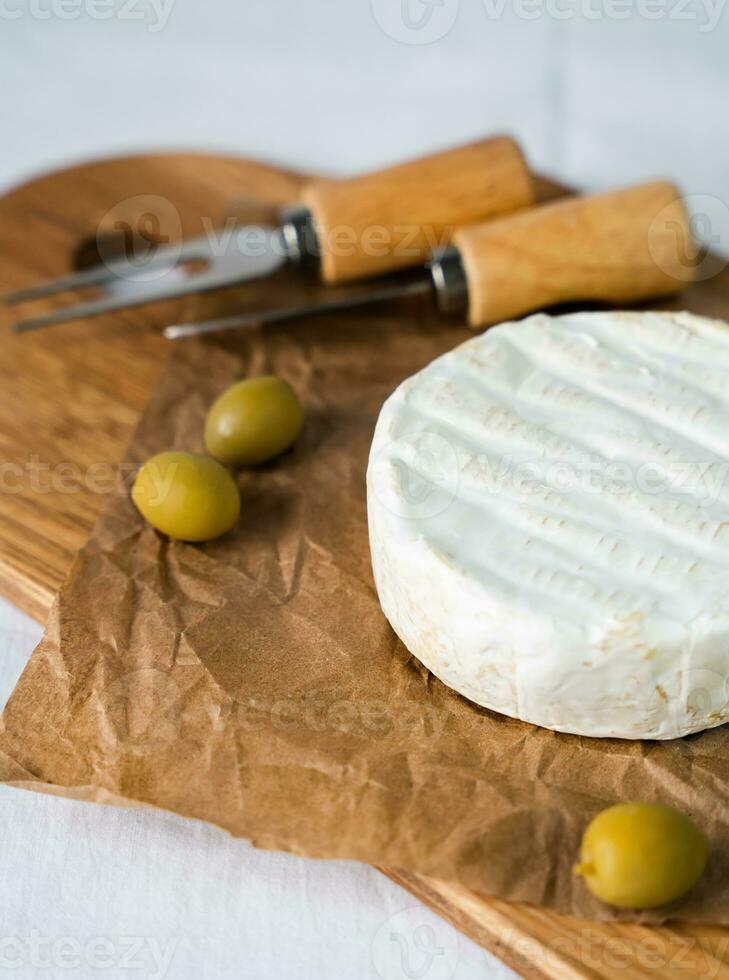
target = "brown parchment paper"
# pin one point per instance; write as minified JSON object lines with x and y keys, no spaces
{"x":254,"y":683}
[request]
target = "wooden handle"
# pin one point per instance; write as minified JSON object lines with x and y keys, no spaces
{"x":619,"y":248}
{"x":396,"y":217}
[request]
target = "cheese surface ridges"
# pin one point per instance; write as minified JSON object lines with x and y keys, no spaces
{"x":549,"y":521}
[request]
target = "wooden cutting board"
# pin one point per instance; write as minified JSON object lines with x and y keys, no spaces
{"x":69,"y":399}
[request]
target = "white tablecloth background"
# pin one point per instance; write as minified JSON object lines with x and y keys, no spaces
{"x":89,"y":891}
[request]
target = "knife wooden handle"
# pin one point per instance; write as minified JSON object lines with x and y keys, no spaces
{"x":396,"y":217}
{"x":618,"y":248}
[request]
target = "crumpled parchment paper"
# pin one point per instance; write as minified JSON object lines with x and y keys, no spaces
{"x":254,"y":683}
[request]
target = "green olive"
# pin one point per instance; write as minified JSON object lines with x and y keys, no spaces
{"x":253,"y":421}
{"x":187,"y":496}
{"x":641,"y":855}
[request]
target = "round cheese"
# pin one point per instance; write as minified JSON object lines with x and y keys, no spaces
{"x":549,"y":521}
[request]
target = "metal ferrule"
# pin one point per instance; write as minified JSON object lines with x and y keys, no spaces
{"x":449,"y":280}
{"x":299,"y":236}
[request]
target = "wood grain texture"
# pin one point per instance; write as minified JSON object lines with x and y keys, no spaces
{"x":71,"y":399}
{"x":394,"y":218}
{"x":621,"y":247}
{"x":72,"y":395}
{"x":540,"y":945}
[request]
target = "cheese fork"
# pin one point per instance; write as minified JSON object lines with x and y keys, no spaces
{"x":620,"y":247}
{"x":343,"y":229}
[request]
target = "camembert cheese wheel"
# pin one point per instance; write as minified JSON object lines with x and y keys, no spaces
{"x":549,"y":521}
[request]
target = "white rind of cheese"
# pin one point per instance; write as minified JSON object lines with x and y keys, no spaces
{"x":549,"y":521}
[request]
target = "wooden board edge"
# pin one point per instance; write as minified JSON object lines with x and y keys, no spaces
{"x":30,"y":598}
{"x":477,"y":919}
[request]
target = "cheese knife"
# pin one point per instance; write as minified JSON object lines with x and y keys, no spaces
{"x":619,"y":247}
{"x":342,"y":229}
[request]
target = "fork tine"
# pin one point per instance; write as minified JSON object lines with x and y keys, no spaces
{"x":94,"y":276}
{"x":108,"y":304}
{"x":228,"y":268}
{"x":105,"y":272}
